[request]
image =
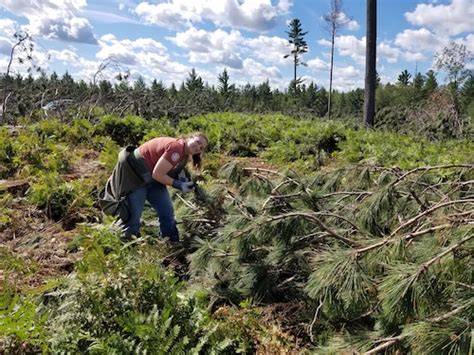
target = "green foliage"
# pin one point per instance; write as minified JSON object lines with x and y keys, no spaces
{"x":20,"y":324}
{"x":128,"y":130}
{"x":58,"y":198}
{"x":7,"y":154}
{"x":344,"y":297}
{"x":406,"y":152}
{"x":109,"y":151}
{"x":452,"y":336}
{"x":122,"y":300}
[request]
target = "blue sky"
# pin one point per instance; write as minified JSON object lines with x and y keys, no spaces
{"x":163,"y":40}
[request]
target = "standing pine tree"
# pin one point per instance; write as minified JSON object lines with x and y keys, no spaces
{"x":296,"y":40}
{"x":225,"y":89}
{"x":430,"y":83}
{"x":404,"y":78}
{"x":194,"y":82}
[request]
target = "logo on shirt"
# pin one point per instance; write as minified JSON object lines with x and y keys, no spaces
{"x":175,"y":157}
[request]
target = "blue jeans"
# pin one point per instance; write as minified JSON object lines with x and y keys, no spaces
{"x":158,"y":196}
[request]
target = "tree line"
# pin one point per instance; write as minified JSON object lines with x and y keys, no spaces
{"x":28,"y":94}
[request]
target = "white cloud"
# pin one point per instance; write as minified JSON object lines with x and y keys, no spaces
{"x":253,"y":15}
{"x":318,"y":64}
{"x":352,"y":47}
{"x":128,"y":52}
{"x":452,"y":19}
{"x":391,"y":54}
{"x":419,"y":40}
{"x":258,"y":73}
{"x":351,"y":24}
{"x":211,"y":47}
{"x":269,"y":49}
{"x":468,"y":42}
{"x":347,"y":72}
{"x":55,"y":19}
{"x":8,"y":27}
{"x":413,"y":56}
{"x":143,"y":56}
{"x":66,"y":56}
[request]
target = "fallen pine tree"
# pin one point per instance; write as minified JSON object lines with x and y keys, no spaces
{"x":381,"y":258}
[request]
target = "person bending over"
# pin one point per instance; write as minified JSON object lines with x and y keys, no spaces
{"x":161,"y":162}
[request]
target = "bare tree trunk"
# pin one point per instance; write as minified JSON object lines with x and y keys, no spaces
{"x":20,"y":38}
{"x":333,"y":35}
{"x":334,"y":22}
{"x":370,"y":60}
{"x":294,"y":79}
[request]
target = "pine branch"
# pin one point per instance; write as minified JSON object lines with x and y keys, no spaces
{"x":321,"y":225}
{"x":274,"y":197}
{"x":337,"y":216}
{"x":428,"y":168}
{"x":410,"y":236}
{"x":357,"y":193}
{"x":386,"y":342}
{"x":409,"y":222}
{"x":430,"y":262}
{"x":459,"y":183}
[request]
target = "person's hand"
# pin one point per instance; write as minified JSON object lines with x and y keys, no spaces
{"x":182,"y":176}
{"x":184,"y":186}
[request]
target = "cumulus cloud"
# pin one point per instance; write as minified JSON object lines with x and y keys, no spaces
{"x":348,"y":46}
{"x":468,"y":42}
{"x":8,"y":27}
{"x":211,"y":47}
{"x":269,"y":49}
{"x":143,"y":55}
{"x":55,"y":19}
{"x":318,"y":64}
{"x":452,"y":19}
{"x":413,"y":56}
{"x":352,"y":25}
{"x":253,"y":15}
{"x":66,"y":56}
{"x":258,"y":72}
{"x":419,"y":40}
{"x":391,"y":54}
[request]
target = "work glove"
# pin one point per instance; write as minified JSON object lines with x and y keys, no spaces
{"x":182,"y":176}
{"x":184,"y":186}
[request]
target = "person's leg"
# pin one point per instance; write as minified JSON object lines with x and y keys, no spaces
{"x":159,"y":198}
{"x":136,"y":202}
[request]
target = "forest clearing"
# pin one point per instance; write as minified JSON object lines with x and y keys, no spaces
{"x":237,"y":177}
{"x":334,"y":246}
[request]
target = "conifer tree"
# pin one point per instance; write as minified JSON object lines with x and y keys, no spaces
{"x":299,"y":47}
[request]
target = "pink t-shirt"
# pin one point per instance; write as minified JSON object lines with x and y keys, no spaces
{"x":171,"y":149}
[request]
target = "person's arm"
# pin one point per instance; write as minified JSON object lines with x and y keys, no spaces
{"x":161,"y":170}
{"x":160,"y":174}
